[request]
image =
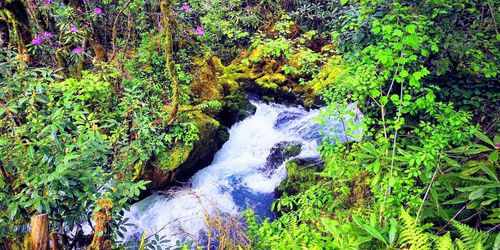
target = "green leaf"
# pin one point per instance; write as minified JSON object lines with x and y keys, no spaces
{"x":489,"y":171}
{"x":493,"y":156}
{"x":424,"y":52}
{"x":476,"y":194}
{"x":374,"y":93}
{"x":496,"y":246}
{"x":484,"y":138}
{"x":434,"y":48}
{"x":384,"y":100}
{"x":397,"y":32}
{"x":393,"y":230}
{"x":411,"y":28}
{"x":369,"y":229}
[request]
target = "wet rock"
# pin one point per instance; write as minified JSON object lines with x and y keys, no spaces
{"x":179,"y":163}
{"x":281,"y":152}
{"x":236,"y":107}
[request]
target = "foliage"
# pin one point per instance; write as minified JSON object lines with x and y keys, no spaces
{"x":414,"y":84}
{"x":413,"y":144}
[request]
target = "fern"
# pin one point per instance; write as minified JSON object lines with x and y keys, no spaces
{"x":443,"y":242}
{"x":412,"y":234}
{"x":460,"y":245}
{"x":472,"y":238}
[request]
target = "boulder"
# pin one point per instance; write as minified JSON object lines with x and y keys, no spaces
{"x":236,"y":107}
{"x":281,"y":152}
{"x":179,"y":163}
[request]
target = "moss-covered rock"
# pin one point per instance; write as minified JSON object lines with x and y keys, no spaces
{"x":281,"y":152}
{"x":283,"y":69}
{"x":206,"y":85}
{"x":183,"y":160}
{"x":236,"y":107}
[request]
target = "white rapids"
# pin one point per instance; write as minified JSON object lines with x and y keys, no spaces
{"x":235,"y":180}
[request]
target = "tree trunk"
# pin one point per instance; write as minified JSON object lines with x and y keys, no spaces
{"x":21,"y":24}
{"x":40,"y":232}
{"x":4,"y":33}
{"x":167,"y":14}
{"x":102,"y":231}
{"x":54,"y":241}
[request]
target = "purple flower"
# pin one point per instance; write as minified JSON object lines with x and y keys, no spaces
{"x":208,"y":5}
{"x":46,"y":35}
{"x":85,"y":26}
{"x":497,"y":145}
{"x":200,"y":31}
{"x":73,"y":29}
{"x":186,"y":8}
{"x":47,"y":3}
{"x":98,"y":11}
{"x":77,"y":51}
{"x":37,"y":41}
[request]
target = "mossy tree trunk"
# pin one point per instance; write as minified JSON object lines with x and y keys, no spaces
{"x":18,"y":16}
{"x":102,"y":230}
{"x":167,"y":16}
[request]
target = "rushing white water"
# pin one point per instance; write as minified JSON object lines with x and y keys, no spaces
{"x":237,"y":178}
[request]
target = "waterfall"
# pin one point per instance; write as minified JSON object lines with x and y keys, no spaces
{"x":237,"y":178}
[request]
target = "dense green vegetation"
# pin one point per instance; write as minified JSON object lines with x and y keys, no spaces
{"x":101,"y":101}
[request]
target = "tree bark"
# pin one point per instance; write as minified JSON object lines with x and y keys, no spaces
{"x":40,"y":232}
{"x":21,"y":24}
{"x":102,"y":232}
{"x":167,"y":14}
{"x":54,"y":241}
{"x":4,"y":34}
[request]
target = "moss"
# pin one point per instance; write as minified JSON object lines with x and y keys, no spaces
{"x":27,"y":244}
{"x":183,"y":159}
{"x":173,"y":158}
{"x":271,"y":81}
{"x":328,"y":74}
{"x":293,"y":149}
{"x":268,"y":99}
{"x":206,"y":84}
{"x":102,"y":229}
{"x":236,"y":108}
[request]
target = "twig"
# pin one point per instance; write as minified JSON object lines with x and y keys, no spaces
{"x":427,"y":191}
{"x":455,"y":216}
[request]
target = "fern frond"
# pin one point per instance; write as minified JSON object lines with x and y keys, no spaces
{"x":460,"y":245}
{"x":412,"y":235}
{"x":443,"y":242}
{"x":472,"y":238}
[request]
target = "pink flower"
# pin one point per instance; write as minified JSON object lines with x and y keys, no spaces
{"x":200,"y":31}
{"x":37,"y":41}
{"x":98,"y":11}
{"x":208,"y":5}
{"x":186,"y":8}
{"x":73,"y":29}
{"x":77,"y":51}
{"x":47,"y":3}
{"x":46,"y":35}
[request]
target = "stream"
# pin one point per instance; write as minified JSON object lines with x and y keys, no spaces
{"x":239,"y":177}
